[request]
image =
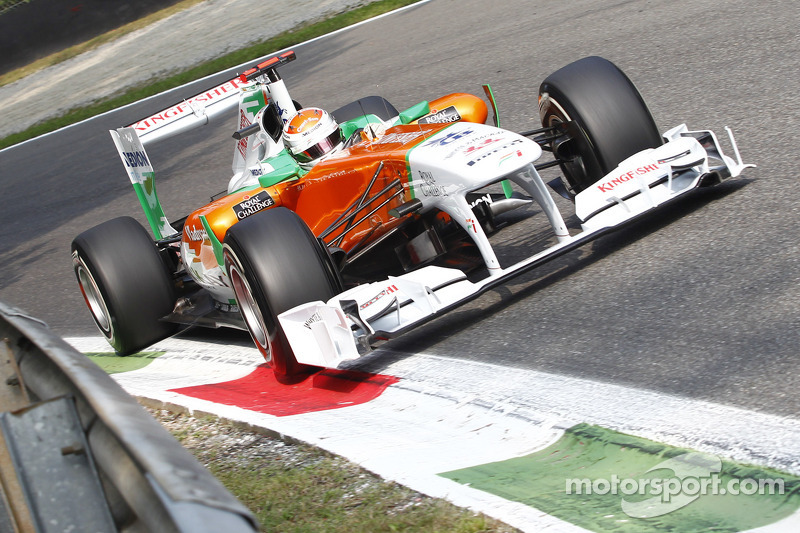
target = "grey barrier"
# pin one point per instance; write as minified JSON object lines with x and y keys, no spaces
{"x":77,"y":453}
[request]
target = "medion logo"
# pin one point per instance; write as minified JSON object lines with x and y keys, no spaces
{"x":136,"y":159}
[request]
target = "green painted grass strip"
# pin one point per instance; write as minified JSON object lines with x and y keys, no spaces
{"x":597,"y":454}
{"x":114,"y":364}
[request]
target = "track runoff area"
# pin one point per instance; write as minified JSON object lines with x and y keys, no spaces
{"x":541,"y":452}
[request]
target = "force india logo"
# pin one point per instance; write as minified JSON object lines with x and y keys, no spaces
{"x":252,"y":205}
{"x":498,"y":149}
{"x":609,"y":185}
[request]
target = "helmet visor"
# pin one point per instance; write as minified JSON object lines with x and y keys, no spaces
{"x":321,"y":148}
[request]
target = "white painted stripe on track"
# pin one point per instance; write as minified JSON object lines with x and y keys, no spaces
{"x":446,"y":413}
{"x":242,"y":66}
{"x":561,"y":401}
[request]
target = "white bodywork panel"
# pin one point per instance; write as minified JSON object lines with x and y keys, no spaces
{"x":346,"y":326}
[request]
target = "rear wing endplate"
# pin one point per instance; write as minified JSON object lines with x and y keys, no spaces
{"x":140,"y":171}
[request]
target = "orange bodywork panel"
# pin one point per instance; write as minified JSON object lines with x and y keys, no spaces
{"x":470,"y":107}
{"x":370,"y":176}
{"x":365,"y":181}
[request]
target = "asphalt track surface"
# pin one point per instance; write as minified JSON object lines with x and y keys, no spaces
{"x":701,"y":300}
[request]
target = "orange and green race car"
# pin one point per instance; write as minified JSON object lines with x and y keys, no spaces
{"x":341,"y":230}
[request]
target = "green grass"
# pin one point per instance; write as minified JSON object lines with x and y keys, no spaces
{"x":8,"y":4}
{"x":284,"y":40}
{"x":323,"y":497}
{"x":298,"y":488}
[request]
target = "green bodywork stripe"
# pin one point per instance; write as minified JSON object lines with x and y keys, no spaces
{"x":255,"y":100}
{"x":352,"y":126}
{"x":215,"y":244}
{"x":414,"y":112}
{"x":596,"y":455}
{"x":410,"y":176}
{"x":285,"y":167}
{"x":507,"y":190}
{"x":146,"y":193}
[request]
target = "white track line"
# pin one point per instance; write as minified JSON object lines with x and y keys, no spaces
{"x":447,"y":414}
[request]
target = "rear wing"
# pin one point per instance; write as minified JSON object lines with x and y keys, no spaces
{"x":191,"y":113}
{"x":251,"y":92}
{"x":143,"y":178}
{"x":201,"y":108}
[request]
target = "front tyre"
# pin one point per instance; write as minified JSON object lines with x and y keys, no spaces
{"x":125,"y":284}
{"x":275,"y":263}
{"x":603,"y":118}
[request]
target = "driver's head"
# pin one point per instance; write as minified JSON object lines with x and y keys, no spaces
{"x":311,"y":135}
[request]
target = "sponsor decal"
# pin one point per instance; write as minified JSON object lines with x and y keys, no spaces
{"x":472,"y":223}
{"x":313,"y":318}
{"x":609,"y":185}
{"x":187,"y":107}
{"x":429,"y":186}
{"x":195,"y":234}
{"x":449,"y":138}
{"x":446,"y":115}
{"x":496,"y":150}
{"x":472,"y":148}
{"x":251,"y":205}
{"x":135,"y":159}
{"x":226,"y":308}
{"x":400,"y":138}
{"x":309,"y":121}
{"x":243,"y":123}
{"x":485,"y":199}
{"x":473,"y":143}
{"x":388,"y":290}
{"x":509,"y":156}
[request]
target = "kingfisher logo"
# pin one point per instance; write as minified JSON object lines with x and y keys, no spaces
{"x":609,"y":185}
{"x":388,"y":290}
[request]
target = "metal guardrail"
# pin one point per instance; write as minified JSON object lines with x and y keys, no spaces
{"x":77,"y":453}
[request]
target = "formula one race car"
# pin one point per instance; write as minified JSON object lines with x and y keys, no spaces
{"x":339,"y":231}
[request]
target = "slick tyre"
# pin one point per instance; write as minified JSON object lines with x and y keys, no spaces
{"x":602,"y":117}
{"x":125,"y":284}
{"x":275,"y":263}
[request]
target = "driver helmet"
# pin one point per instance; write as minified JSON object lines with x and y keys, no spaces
{"x":311,"y":135}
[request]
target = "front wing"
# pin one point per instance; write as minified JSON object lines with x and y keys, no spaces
{"x":350,"y":324}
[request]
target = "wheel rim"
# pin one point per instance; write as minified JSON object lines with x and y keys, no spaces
{"x":571,"y":162}
{"x":93,"y":297}
{"x":249,"y":309}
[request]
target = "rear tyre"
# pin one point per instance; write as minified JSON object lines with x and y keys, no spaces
{"x":125,"y":284}
{"x":605,"y":119}
{"x":275,"y":263}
